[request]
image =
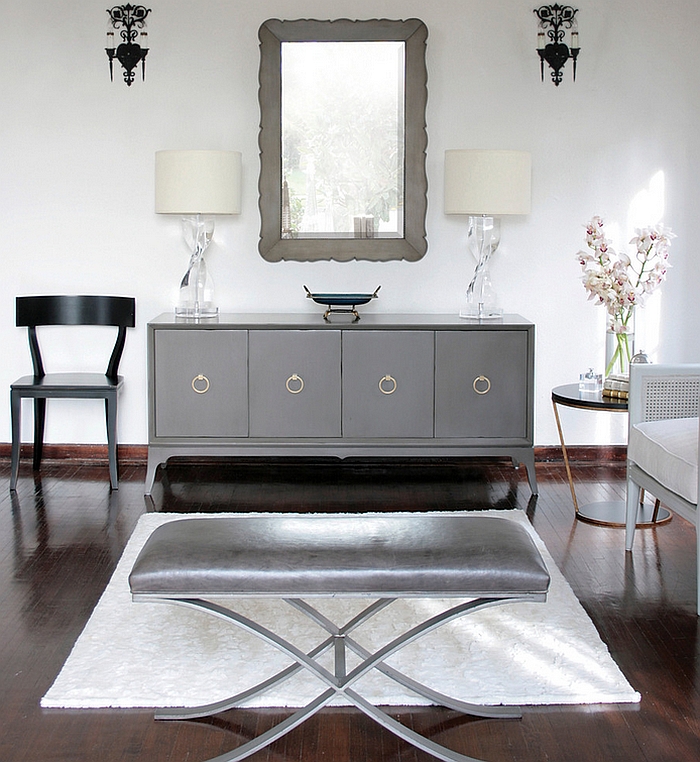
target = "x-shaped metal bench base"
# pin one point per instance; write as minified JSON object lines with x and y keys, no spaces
{"x":340,"y":681}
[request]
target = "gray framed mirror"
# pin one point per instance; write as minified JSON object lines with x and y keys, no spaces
{"x":342,"y":140}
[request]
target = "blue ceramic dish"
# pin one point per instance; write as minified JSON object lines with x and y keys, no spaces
{"x":335,"y":301}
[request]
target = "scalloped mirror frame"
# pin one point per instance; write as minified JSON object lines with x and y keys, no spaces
{"x":413,"y":245}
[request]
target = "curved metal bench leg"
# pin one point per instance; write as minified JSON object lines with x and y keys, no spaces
{"x":406,"y":734}
{"x":476,"y":710}
{"x":266,"y":738}
{"x":206,"y":710}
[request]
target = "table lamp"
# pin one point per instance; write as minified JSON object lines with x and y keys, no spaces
{"x":485,"y":185}
{"x":198,"y":185}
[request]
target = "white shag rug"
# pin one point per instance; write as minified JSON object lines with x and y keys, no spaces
{"x":158,"y":655}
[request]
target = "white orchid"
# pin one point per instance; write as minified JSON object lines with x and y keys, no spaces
{"x":612,"y":280}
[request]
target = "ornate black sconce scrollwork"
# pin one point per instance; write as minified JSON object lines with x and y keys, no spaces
{"x":129,"y":53}
{"x":555,"y":19}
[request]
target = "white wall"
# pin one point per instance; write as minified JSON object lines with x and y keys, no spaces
{"x":77,"y":155}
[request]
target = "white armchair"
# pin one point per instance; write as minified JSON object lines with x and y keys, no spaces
{"x":662,"y":447}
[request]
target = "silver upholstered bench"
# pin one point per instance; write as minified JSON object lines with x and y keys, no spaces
{"x":482,"y":561}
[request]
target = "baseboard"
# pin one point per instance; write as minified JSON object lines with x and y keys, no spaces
{"x":137,"y":455}
{"x":132,"y":455}
{"x":582,"y":453}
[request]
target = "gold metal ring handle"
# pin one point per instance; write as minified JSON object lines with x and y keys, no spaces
{"x":389,"y":380}
{"x":203,"y":382}
{"x":481,"y":389}
{"x":294,"y":378}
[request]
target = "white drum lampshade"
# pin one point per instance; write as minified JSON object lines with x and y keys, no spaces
{"x":487,"y":182}
{"x":198,"y":182}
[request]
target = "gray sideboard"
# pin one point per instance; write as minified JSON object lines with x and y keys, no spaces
{"x":387,"y":385}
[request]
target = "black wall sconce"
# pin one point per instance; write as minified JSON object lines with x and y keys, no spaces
{"x":129,"y":53}
{"x":554,"y":19}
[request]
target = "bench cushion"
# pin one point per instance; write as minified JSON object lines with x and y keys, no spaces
{"x":390,"y":555}
{"x":668,"y":450}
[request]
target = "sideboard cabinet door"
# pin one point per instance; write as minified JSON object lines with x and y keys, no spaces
{"x":200,"y":383}
{"x":388,"y":383}
{"x":294,"y":383}
{"x":481,"y":384}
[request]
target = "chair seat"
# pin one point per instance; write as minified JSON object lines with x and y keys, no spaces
{"x":668,"y":449}
{"x":79,"y":383}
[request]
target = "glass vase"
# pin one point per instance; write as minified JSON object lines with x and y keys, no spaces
{"x":619,"y":350}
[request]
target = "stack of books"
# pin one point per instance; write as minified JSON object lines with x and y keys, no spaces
{"x":616,"y":387}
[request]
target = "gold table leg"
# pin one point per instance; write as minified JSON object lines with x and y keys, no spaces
{"x":659,"y":515}
{"x":566,"y":455}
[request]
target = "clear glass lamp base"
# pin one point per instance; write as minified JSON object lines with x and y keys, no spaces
{"x":205,"y":311}
{"x":480,"y":312}
{"x":482,"y":302}
{"x":196,"y":298}
{"x":483,"y":239}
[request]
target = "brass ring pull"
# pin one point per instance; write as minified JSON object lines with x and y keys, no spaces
{"x":202,"y":388}
{"x":294,"y":378}
{"x":388,"y":379}
{"x":483,"y":389}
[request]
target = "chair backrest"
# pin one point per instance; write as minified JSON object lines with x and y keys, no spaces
{"x":663,"y":391}
{"x":33,"y":311}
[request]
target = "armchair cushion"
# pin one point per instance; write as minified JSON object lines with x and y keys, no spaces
{"x":668,"y":450}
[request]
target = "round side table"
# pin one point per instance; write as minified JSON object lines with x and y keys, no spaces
{"x":609,"y":512}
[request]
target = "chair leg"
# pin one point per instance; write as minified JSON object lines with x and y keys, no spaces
{"x":15,"y":413}
{"x":631,"y":512}
{"x":111,"y":414}
{"x":39,"y":420}
{"x":697,"y":560}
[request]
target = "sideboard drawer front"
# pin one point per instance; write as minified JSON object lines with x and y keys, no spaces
{"x":481,"y":384}
{"x":388,"y":383}
{"x":294,"y":383}
{"x":200,"y":383}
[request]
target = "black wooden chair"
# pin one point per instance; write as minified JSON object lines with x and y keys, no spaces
{"x":33,"y":311}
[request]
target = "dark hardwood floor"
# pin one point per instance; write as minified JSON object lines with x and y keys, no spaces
{"x":62,"y":535}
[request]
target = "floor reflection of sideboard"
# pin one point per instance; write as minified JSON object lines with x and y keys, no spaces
{"x":384,"y":386}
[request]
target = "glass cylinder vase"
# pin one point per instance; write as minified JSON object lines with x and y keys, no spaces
{"x":619,"y":350}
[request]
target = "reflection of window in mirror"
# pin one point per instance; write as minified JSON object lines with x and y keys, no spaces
{"x":342,"y":139}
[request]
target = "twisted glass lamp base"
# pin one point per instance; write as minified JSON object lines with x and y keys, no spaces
{"x":481,"y":302}
{"x":196,"y":298}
